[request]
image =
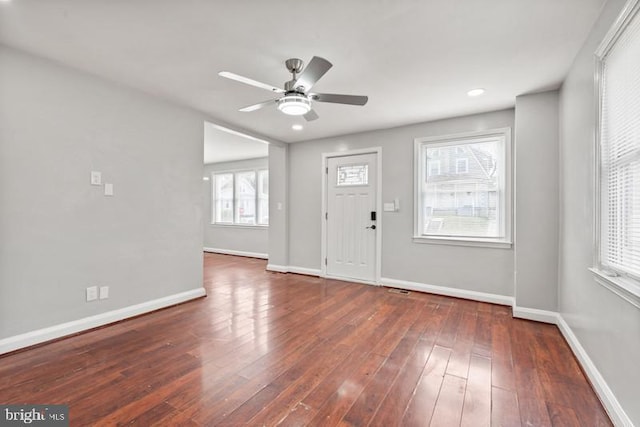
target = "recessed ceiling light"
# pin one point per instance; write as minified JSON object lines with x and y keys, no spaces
{"x":475,"y":92}
{"x":205,"y":178}
{"x":296,"y":127}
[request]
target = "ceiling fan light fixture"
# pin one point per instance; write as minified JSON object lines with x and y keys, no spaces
{"x":294,"y":105}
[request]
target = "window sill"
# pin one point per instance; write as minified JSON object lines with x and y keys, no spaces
{"x":624,"y":287}
{"x":484,"y":243}
{"x":261,"y":227}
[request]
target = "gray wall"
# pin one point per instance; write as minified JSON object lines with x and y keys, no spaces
{"x":278,"y":205}
{"x":225,"y":237}
{"x":607,"y":326}
{"x":59,"y":234}
{"x":536,"y":201}
{"x":479,"y":269}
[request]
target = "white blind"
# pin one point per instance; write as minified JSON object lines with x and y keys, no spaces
{"x":620,"y":153}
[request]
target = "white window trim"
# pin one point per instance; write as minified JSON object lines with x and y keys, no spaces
{"x":213,"y":199}
{"x":506,"y":205}
{"x":625,"y":287}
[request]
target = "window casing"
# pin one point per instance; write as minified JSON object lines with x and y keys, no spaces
{"x":468,"y":200}
{"x":241,"y":198}
{"x":617,"y":236}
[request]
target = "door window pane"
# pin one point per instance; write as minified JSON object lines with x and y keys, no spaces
{"x":353,"y":175}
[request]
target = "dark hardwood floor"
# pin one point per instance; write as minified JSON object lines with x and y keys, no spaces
{"x":282,"y":349}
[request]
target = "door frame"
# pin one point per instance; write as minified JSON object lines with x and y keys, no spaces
{"x":325,"y":194}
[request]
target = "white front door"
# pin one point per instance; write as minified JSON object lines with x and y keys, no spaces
{"x":351,"y":205}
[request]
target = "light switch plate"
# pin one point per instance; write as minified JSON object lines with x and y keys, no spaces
{"x":108,"y":189}
{"x":92,"y":293}
{"x":96,"y":178}
{"x":104,"y":292}
{"x":389,"y":207}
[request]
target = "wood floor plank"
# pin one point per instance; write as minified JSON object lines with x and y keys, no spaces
{"x":476,"y":411}
{"x":504,"y":407}
{"x":393,"y":407}
{"x":461,"y":352}
{"x":450,"y":401}
{"x":367,"y":403}
{"x":420,"y":408}
{"x":267,"y":348}
{"x":336,"y":406}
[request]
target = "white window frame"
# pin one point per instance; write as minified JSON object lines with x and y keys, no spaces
{"x":505,"y":206}
{"x":235,"y":172}
{"x":618,"y":281}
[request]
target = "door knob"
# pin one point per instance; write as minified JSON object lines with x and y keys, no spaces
{"x":373,"y":227}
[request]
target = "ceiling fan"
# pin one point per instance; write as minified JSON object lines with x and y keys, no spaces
{"x":296,"y":96}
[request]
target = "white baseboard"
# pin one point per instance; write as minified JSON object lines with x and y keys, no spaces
{"x":305,"y":271}
{"x":347,"y":279}
{"x":450,"y":292}
{"x":277,"y":268}
{"x":293,"y":269}
{"x":58,"y":331}
{"x":618,"y":416}
{"x":544,"y":316}
{"x":237,"y":253}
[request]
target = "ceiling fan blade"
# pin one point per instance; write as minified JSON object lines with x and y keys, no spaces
{"x":248,"y":81}
{"x":312,"y":73}
{"x":339,"y":99}
{"x":311,"y":116}
{"x":258,"y":106}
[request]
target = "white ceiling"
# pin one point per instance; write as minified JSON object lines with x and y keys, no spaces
{"x":415,"y":59}
{"x":220,"y":146}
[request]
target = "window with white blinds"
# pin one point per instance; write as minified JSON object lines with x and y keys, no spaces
{"x":619,"y":145}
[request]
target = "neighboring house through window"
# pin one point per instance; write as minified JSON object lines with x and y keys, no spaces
{"x":241,"y":197}
{"x":468,"y":200}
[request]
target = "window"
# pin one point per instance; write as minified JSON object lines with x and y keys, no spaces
{"x":241,"y":198}
{"x":356,"y":174}
{"x":618,"y":137}
{"x":462,"y":165}
{"x":464,"y":198}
